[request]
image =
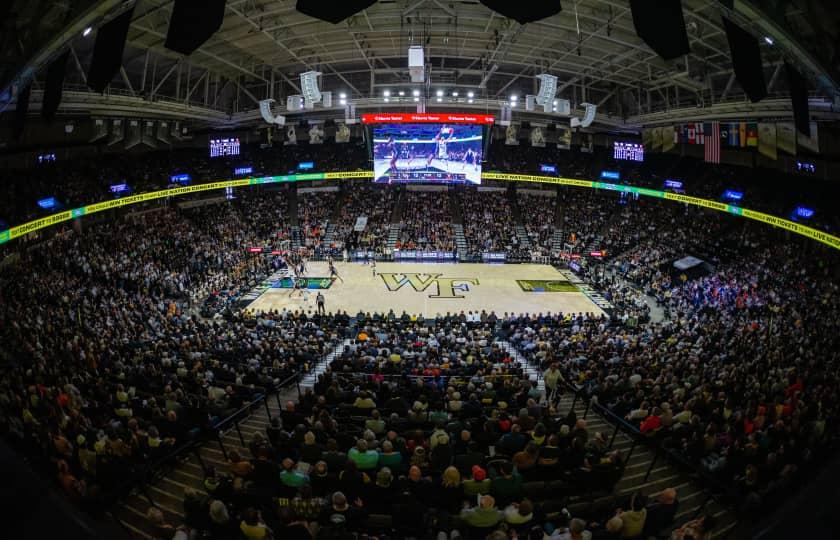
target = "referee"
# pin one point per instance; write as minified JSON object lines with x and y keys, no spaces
{"x":320,"y":301}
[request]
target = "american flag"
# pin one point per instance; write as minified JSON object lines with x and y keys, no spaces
{"x":711,"y":135}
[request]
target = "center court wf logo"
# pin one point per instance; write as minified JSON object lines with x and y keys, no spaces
{"x":447,"y":287}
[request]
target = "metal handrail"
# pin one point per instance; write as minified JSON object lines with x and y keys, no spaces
{"x":637,"y":437}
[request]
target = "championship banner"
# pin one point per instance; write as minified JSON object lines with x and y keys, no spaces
{"x":291,"y":135}
{"x":510,"y":135}
{"x":668,"y":138}
{"x":786,"y":137}
{"x":537,"y":137}
{"x":767,"y":139}
{"x":647,"y":137}
{"x":316,"y":134}
{"x":564,"y":137}
{"x":342,"y":133}
{"x":656,"y":142}
{"x":811,"y":143}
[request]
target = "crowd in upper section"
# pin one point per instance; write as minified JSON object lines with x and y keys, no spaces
{"x":87,"y":179}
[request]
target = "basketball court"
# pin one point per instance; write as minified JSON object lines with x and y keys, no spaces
{"x":430,"y":289}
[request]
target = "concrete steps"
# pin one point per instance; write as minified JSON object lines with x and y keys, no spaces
{"x":692,"y":498}
{"x":167,"y":492}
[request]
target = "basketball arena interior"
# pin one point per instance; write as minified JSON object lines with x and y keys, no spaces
{"x":419,"y":269}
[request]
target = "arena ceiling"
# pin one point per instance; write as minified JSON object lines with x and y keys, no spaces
{"x":591,"y":46}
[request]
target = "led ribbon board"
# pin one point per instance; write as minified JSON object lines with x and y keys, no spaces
{"x":54,"y":219}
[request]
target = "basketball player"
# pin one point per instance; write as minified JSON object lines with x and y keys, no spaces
{"x":391,"y":146}
{"x":334,"y":273}
{"x":296,"y":283}
{"x":373,"y":263}
{"x":440,"y":139}
{"x":469,"y":158}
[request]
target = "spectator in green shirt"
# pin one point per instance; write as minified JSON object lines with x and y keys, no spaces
{"x":484,"y":515}
{"x":291,"y":476}
{"x":365,"y":459}
{"x":375,"y":423}
{"x":478,"y":484}
{"x":390,"y":458}
{"x":507,"y":487}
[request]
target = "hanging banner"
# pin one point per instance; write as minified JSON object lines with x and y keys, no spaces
{"x":564,"y":137}
{"x":342,"y":133}
{"x":510,"y":135}
{"x":668,"y":138}
{"x":786,"y":137}
{"x":316,"y":134}
{"x":647,"y":137}
{"x":767,"y":139}
{"x":537,"y":137}
{"x":656,"y":142}
{"x":752,"y":134}
{"x":291,"y":135}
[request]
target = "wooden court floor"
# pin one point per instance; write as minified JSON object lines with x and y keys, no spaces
{"x":433,"y":289}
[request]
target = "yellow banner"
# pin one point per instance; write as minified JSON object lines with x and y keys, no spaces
{"x":810,"y":232}
{"x":31,"y":226}
{"x":803,"y":230}
{"x":348,"y":175}
{"x":697,"y":201}
{"x":507,"y":177}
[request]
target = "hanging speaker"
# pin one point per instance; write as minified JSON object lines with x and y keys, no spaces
{"x":192,"y":23}
{"x":108,"y":51}
{"x":524,"y":12}
{"x":746,"y":61}
{"x":660,"y":24}
{"x":53,"y":86}
{"x":332,"y":12}
{"x":798,"y":87}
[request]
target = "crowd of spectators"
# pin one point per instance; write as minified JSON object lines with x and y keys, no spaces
{"x":426,"y":429}
{"x":314,"y":210}
{"x":107,"y":366}
{"x":538,"y":217}
{"x":426,"y":222}
{"x":740,"y":379}
{"x":373,"y":202}
{"x":111,"y":365}
{"x":489,"y":223}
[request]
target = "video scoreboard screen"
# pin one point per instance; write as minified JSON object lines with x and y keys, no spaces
{"x":224,"y":147}
{"x":427,"y":148}
{"x":628,"y":151}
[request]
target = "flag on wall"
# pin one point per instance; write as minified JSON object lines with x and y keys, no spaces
{"x":742,"y":134}
{"x":786,"y":137}
{"x":711,"y":136}
{"x":752,"y":134}
{"x":767,"y":139}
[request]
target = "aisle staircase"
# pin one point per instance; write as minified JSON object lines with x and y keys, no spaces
{"x":522,"y":236}
{"x":167,"y":492}
{"x":557,"y":240}
{"x":297,"y":238}
{"x":460,"y":240}
{"x":329,"y":233}
{"x":393,"y":236}
{"x":644,"y":471}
